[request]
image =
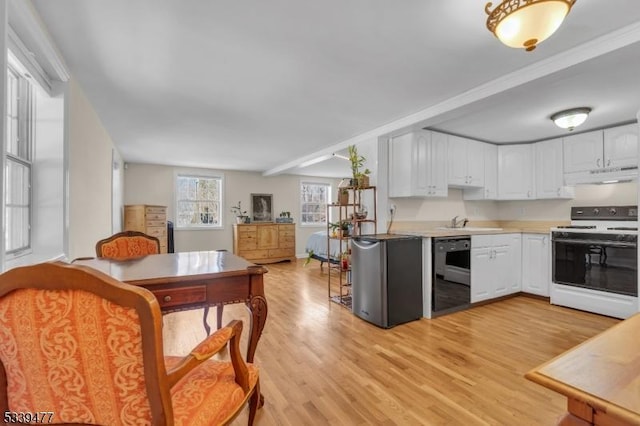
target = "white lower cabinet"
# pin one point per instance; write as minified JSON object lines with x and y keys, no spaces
{"x":495,"y":266}
{"x":536,"y":264}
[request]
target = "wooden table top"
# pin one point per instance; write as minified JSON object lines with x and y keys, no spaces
{"x":603,"y":371}
{"x":168,"y":267}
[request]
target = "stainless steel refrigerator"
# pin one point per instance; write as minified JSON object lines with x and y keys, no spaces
{"x":386,"y":278}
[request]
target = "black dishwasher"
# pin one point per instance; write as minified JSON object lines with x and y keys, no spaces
{"x":451,"y":262}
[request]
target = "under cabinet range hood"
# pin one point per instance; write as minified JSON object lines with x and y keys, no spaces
{"x":609,"y":175}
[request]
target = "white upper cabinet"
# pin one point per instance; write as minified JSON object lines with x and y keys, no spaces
{"x":515,"y":172}
{"x":466,"y":162}
{"x":621,"y":146}
{"x":549,"y":171}
{"x":594,"y":151}
{"x":490,"y":189}
{"x":417,"y":165}
{"x":583,"y":152}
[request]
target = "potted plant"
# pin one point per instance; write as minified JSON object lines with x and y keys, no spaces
{"x":360,"y":173}
{"x":241,"y":215}
{"x":344,"y":261}
{"x":285,"y":217}
{"x":334,"y":228}
{"x":344,"y":228}
{"x":343,"y":196}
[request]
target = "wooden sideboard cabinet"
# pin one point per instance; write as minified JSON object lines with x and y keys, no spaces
{"x":265,"y":242}
{"x":152,"y":220}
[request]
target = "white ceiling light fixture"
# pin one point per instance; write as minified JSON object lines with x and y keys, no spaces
{"x":525,"y":23}
{"x":571,"y":118}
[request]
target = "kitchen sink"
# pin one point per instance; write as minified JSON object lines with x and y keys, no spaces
{"x":468,"y":228}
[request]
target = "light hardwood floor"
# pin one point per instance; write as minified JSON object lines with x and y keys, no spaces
{"x":319,"y":364}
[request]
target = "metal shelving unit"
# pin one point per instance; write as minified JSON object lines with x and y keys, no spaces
{"x":339,"y":275}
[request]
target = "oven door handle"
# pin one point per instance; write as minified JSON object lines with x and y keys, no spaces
{"x":618,"y":244}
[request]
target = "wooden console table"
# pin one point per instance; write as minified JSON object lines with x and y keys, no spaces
{"x":600,"y":377}
{"x":192,"y":280}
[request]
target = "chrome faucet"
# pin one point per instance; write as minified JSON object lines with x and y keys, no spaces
{"x":455,"y":223}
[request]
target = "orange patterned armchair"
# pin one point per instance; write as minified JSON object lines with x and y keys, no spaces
{"x":77,"y":346}
{"x":127,"y":244}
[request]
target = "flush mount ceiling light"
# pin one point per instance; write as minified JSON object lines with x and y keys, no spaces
{"x":525,"y":23}
{"x":570,"y":118}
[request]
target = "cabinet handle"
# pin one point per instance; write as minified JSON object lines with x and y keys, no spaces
{"x":608,"y":162}
{"x":598,"y":162}
{"x":167,"y":298}
{"x":558,"y":191}
{"x":528,"y":194}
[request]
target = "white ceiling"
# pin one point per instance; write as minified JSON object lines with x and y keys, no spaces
{"x":263,"y":86}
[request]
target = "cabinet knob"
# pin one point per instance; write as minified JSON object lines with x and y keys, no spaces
{"x":598,"y":162}
{"x":167,"y":298}
{"x":529,"y":194}
{"x":608,"y":162}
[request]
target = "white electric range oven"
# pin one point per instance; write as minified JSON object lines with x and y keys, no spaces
{"x":595,"y":261}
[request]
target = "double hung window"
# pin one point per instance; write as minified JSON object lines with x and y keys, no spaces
{"x":314,"y":198}
{"x":198,"y":201}
{"x":18,"y":172}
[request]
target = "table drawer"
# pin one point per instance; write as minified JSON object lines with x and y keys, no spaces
{"x":181,"y":296}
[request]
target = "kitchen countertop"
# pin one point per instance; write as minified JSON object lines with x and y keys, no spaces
{"x":431,"y":229}
{"x":600,"y":377}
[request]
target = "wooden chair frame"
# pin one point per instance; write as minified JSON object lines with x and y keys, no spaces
{"x":63,"y":276}
{"x":124,"y":234}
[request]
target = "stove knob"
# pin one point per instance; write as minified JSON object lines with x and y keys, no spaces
{"x":620,"y":237}
{"x":596,"y":211}
{"x":612,"y":212}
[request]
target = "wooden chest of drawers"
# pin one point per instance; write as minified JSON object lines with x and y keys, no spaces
{"x":152,"y":220}
{"x":265,"y":242}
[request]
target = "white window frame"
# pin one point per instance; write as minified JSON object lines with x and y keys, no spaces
{"x":26,"y":118}
{"x":200,"y":175}
{"x":327,"y":202}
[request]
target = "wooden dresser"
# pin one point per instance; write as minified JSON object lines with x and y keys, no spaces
{"x":152,"y":220}
{"x":265,"y":242}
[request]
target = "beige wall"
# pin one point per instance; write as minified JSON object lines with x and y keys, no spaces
{"x":90,"y":153}
{"x":154,"y":184}
{"x":437,"y":209}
